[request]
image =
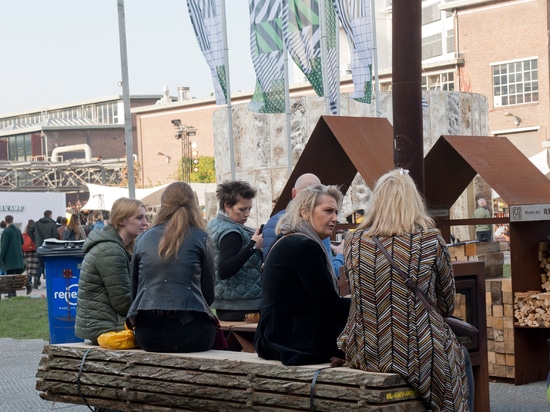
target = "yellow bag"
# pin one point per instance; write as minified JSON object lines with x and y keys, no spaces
{"x":117,"y":340}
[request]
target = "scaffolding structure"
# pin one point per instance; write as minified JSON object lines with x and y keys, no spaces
{"x":67,"y":176}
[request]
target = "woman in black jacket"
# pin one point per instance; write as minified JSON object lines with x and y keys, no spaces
{"x":302,"y":313}
{"x":173,"y":278}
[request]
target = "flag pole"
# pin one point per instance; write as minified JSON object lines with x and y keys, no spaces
{"x":228,"y":91}
{"x":128,"y":138}
{"x":375,"y":58}
{"x":287,"y":109}
{"x":322,"y":28}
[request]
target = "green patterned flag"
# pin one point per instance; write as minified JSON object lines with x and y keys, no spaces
{"x":302,"y":29}
{"x":207,"y":19}
{"x":355,"y":16}
{"x":266,"y":47}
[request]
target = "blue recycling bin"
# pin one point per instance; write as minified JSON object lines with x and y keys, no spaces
{"x":62,"y":262}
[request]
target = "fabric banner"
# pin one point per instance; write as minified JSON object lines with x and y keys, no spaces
{"x":355,"y":16}
{"x":206,"y":18}
{"x":302,"y":29}
{"x":267,"y":51}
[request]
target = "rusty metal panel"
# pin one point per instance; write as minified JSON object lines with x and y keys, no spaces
{"x":454,"y":161}
{"x":341,"y":146}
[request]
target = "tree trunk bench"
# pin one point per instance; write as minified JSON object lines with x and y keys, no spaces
{"x":135,"y":380}
{"x":12,"y":283}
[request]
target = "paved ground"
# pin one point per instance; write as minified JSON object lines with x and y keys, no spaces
{"x":19,"y":361}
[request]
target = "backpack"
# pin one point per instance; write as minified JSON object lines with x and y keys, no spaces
{"x":28,"y":244}
{"x":69,"y":235}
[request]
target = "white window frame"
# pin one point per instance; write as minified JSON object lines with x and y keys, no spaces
{"x":508,"y":90}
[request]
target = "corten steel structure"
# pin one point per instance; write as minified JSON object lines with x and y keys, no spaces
{"x":451,"y":165}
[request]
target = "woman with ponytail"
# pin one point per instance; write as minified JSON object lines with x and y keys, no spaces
{"x":172,"y":274}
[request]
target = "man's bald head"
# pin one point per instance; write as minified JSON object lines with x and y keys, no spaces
{"x":305,"y":180}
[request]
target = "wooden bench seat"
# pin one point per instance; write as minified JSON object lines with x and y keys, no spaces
{"x":135,"y":380}
{"x":12,"y":283}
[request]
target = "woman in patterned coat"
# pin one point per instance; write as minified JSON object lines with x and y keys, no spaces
{"x":389,"y":329}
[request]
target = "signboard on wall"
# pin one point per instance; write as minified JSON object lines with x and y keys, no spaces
{"x":31,"y":205}
{"x":524,"y":213}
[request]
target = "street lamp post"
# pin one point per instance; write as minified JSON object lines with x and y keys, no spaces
{"x":183,"y":133}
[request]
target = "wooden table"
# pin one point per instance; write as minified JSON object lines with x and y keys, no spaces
{"x":239,"y":335}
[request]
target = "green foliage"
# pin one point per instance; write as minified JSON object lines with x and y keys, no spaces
{"x":207,"y":171}
{"x":24,"y":317}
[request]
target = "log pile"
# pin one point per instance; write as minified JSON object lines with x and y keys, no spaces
{"x":532,"y":308}
{"x":500,"y":327}
{"x":135,"y":380}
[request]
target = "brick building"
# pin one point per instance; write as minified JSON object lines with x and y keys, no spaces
{"x":504,"y":46}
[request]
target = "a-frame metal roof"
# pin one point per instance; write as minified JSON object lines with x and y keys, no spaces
{"x":341,"y":146}
{"x":454,"y":161}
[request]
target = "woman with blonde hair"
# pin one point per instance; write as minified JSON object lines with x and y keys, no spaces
{"x":104,"y":295}
{"x":302,"y":314}
{"x":389,"y":329}
{"x":172,"y":273}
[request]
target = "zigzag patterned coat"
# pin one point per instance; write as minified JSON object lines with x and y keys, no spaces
{"x":390,"y":330}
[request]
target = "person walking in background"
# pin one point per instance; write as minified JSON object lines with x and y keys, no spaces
{"x":302,"y":313}
{"x":89,"y":224}
{"x":74,"y":231}
{"x":29,"y":254}
{"x":11,"y":252}
{"x":2,"y":227}
{"x":484,"y":232}
{"x":238,"y":253}
{"x":389,"y":328}
{"x":62,"y":227}
{"x":44,"y":228}
{"x":104,"y":295}
{"x":172,"y":278}
{"x":334,"y":252}
{"x":98,"y":220}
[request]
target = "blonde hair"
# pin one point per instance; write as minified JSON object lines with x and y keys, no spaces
{"x":124,"y":208}
{"x":180,"y":211}
{"x":396,"y":207}
{"x":307,"y":199}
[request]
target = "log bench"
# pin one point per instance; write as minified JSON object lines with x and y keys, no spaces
{"x":12,"y":283}
{"x":135,"y":380}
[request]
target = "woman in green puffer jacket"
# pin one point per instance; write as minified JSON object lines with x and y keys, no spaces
{"x":104,"y":295}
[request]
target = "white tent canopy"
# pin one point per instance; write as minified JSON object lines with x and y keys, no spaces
{"x":103,"y":197}
{"x":541,"y":161}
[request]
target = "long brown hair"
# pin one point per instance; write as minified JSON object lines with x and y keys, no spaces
{"x":74,"y":224}
{"x":179,"y":209}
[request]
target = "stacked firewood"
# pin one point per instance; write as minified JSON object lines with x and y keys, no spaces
{"x":500,"y":327}
{"x":532,"y":308}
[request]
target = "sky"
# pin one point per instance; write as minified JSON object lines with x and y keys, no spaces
{"x":60,"y":52}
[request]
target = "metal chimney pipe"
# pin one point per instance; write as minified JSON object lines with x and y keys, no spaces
{"x":408,"y":140}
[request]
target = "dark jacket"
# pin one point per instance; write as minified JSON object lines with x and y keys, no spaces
{"x":302,"y":314}
{"x":104,"y":285}
{"x":44,"y":228}
{"x":11,"y":252}
{"x":183,"y":284}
